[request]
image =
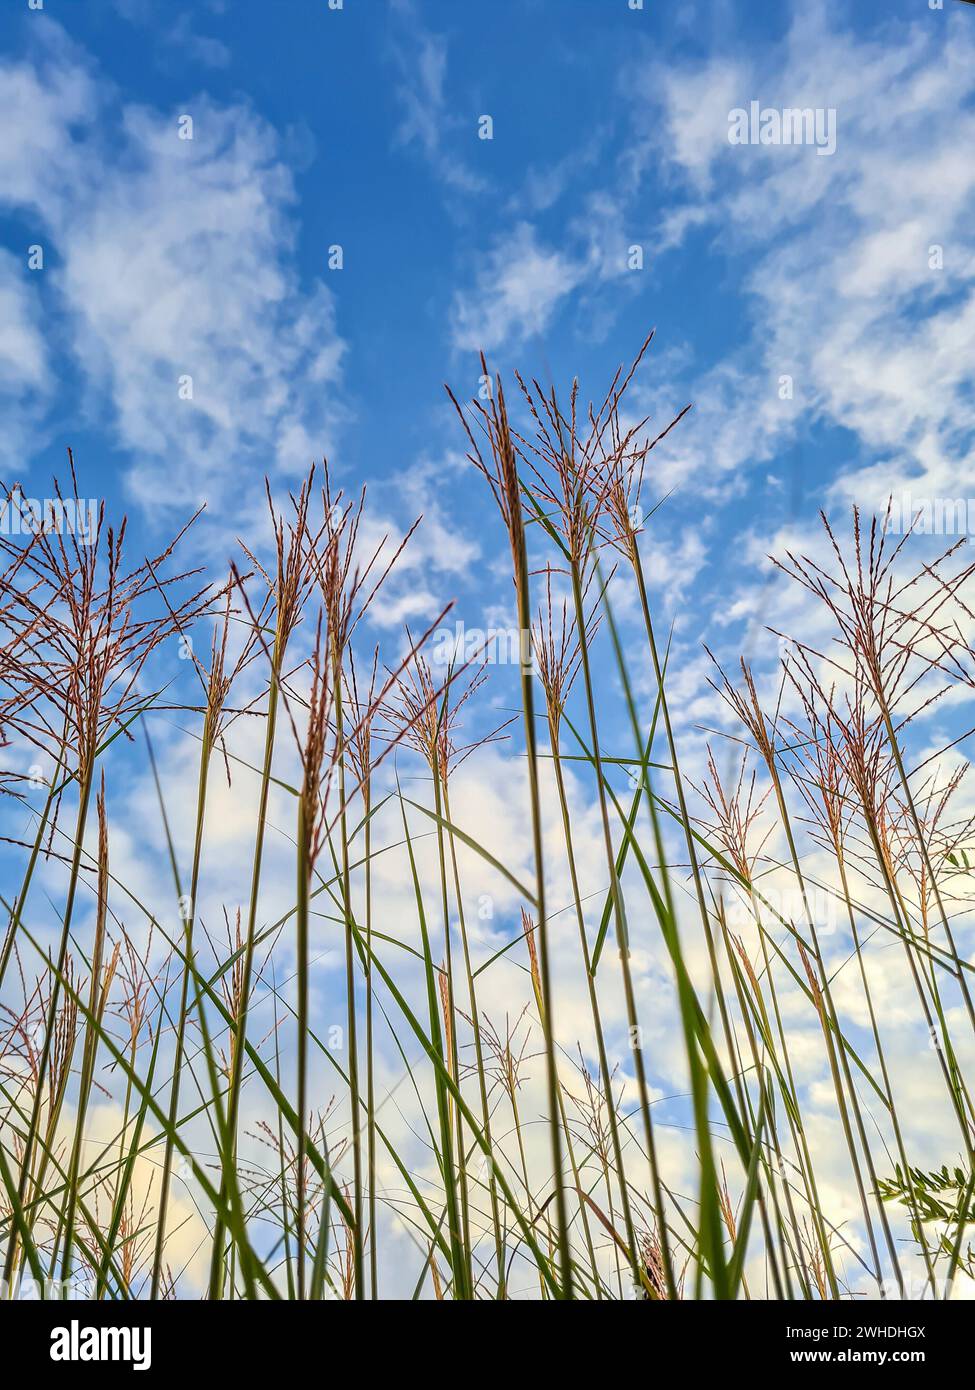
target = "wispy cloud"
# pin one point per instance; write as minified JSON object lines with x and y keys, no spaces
{"x":170,"y":261}
{"x":860,"y":276}
{"x":429,"y":122}
{"x":518,"y":288}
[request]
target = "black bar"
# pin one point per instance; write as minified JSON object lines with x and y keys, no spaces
{"x":193,"y":1337}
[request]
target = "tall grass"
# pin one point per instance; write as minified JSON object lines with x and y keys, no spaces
{"x":649,"y":1057}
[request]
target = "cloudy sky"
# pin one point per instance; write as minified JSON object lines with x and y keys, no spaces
{"x":337,"y":239}
{"x":235,"y":238}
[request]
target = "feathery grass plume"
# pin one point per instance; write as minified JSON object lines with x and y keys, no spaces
{"x":655,"y":1273}
{"x":499,"y":468}
{"x":83,"y":636}
{"x":882,"y":666}
{"x":425,"y":718}
{"x":438,"y":1290}
{"x":881,"y":660}
{"x":428,"y":719}
{"x":620,"y":521}
{"x":834,"y":781}
{"x":82,"y":632}
{"x":128,"y":1014}
{"x":820,"y":772}
{"x":558,"y":660}
{"x":558,"y":651}
{"x":567,"y":479}
{"x":886,"y":626}
{"x":625,"y":451}
{"x":736,"y":811}
{"x":217,"y":681}
{"x":745,"y":702}
{"x":505,"y":1058}
{"x":287,"y":588}
{"x":945,"y":838}
{"x":319,"y":757}
{"x":427,"y":715}
{"x":348,"y":588}
{"x":598,"y":1126}
{"x":447,"y":1013}
{"x":599,"y":471}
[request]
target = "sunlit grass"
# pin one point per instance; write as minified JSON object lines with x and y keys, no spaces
{"x":693,"y":862}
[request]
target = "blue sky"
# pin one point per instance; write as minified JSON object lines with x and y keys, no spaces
{"x":359,"y":127}
{"x":849,"y":275}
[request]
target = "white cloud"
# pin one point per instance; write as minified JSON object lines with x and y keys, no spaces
{"x":420,"y":57}
{"x":199,"y":48}
{"x":843,"y":294}
{"x":171,"y":259}
{"x":518,"y":288}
